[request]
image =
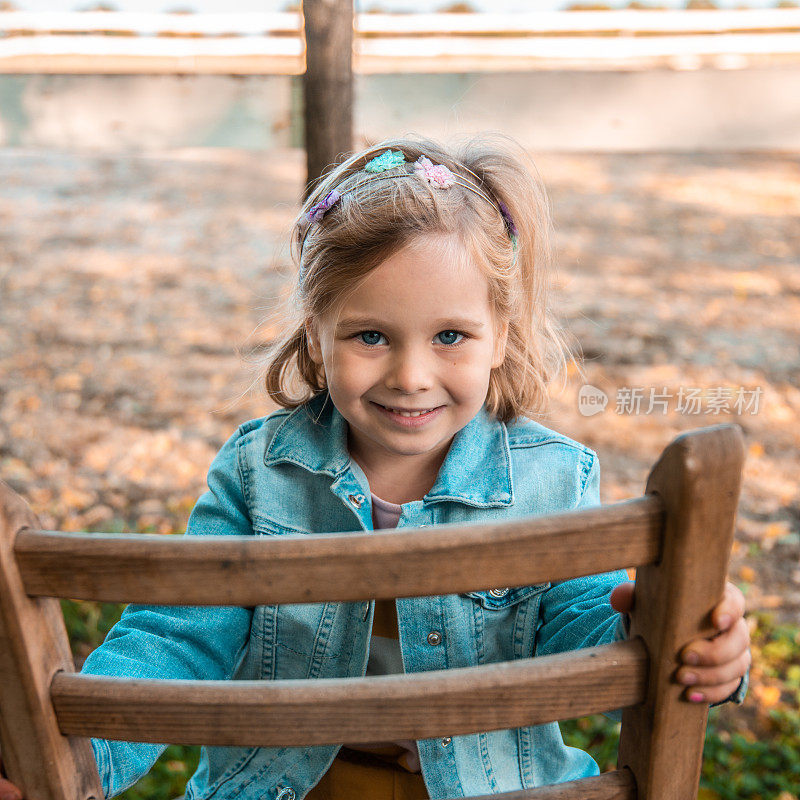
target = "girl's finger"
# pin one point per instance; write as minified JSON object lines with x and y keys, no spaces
{"x":705,"y":679}
{"x":730,"y":609}
{"x":8,"y":791}
{"x":719,"y":650}
{"x":621,"y":597}
{"x":715,"y":694}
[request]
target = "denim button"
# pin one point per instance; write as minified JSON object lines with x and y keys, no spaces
{"x":285,"y":793}
{"x":356,"y":499}
{"x":434,"y":638}
{"x":498,"y":592}
{"x":446,"y":741}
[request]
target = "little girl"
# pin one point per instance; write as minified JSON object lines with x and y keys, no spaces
{"x":409,"y":382}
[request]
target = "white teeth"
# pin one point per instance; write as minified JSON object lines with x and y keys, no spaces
{"x":409,"y":413}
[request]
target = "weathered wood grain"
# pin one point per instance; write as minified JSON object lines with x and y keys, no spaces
{"x":698,"y":477}
{"x":327,"y":84}
{"x":616,"y":785}
{"x":329,"y":711}
{"x":33,"y":647}
{"x":249,"y":571}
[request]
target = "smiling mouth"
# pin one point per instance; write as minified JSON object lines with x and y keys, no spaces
{"x":404,"y":413}
{"x":407,"y":412}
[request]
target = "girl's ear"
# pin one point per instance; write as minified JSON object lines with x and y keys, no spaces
{"x":500,"y":342}
{"x":312,"y":338}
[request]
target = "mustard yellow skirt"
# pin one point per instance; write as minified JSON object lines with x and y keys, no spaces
{"x":360,"y":775}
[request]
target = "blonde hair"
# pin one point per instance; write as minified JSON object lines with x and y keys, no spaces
{"x":379,"y":214}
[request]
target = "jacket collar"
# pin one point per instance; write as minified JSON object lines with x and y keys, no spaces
{"x":476,"y":470}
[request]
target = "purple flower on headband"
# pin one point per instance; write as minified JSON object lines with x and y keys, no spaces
{"x":318,"y":211}
{"x":437,"y":175}
{"x":512,"y":228}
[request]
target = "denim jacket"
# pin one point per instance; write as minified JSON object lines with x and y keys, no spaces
{"x":290,"y":473}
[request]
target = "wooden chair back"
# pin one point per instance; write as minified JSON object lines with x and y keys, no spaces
{"x":678,"y":536}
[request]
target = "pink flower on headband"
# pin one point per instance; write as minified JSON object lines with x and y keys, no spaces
{"x":437,"y":175}
{"x":318,"y":211}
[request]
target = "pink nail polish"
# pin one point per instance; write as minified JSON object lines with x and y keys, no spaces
{"x":696,"y":697}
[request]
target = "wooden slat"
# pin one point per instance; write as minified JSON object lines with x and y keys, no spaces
{"x":616,"y":785}
{"x":622,"y":21}
{"x":248,"y":571}
{"x":564,"y":48}
{"x":33,"y":646}
{"x":293,"y":712}
{"x":235,"y":44}
{"x":137,"y":23}
{"x":699,"y":478}
{"x":97,"y":55}
{"x":628,"y":21}
{"x":244,"y":56}
{"x":134,"y":55}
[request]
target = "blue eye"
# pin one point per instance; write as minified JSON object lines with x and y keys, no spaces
{"x":450,"y":337}
{"x":371,"y":337}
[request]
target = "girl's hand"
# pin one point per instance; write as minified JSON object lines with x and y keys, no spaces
{"x":712,"y":668}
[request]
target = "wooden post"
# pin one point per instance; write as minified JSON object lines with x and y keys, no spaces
{"x":698,"y":478}
{"x":33,"y":647}
{"x":327,"y":84}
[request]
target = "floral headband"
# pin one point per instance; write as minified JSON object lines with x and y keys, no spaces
{"x":437,"y":175}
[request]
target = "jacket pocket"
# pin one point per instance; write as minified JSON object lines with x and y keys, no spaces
{"x":504,"y":621}
{"x":504,"y":597}
{"x":264,"y":526}
{"x":296,"y":637}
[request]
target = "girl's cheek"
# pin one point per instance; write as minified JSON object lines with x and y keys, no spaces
{"x":471,"y":385}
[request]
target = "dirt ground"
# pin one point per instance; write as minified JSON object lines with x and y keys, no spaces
{"x":131,"y":286}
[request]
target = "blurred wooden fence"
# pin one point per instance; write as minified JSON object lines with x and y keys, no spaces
{"x":272,"y":43}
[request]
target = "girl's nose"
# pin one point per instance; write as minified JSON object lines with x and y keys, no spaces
{"x":408,"y":372}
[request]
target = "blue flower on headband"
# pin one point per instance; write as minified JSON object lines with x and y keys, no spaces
{"x":389,"y":159}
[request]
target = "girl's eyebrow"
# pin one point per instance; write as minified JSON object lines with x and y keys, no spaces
{"x":359,"y":322}
{"x":445,"y":323}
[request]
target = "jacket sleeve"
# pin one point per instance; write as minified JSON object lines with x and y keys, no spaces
{"x":200,"y":642}
{"x":577,"y":613}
